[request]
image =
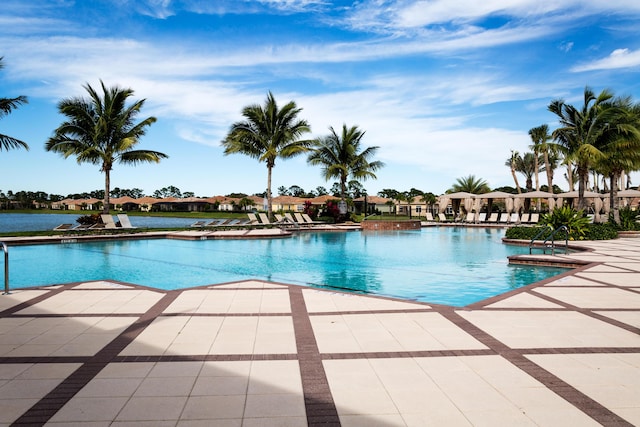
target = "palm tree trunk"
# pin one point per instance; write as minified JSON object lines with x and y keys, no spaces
{"x":515,"y":179}
{"x":269,"y":207}
{"x":549,"y":172}
{"x":107,"y":186}
{"x":583,"y":179}
{"x":613,"y":198}
{"x":570,"y":176}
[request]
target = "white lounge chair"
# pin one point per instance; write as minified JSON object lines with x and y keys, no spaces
{"x":124,"y":221}
{"x":514,"y":218}
{"x":503,"y":218}
{"x":253,"y":219}
{"x":442,"y":217}
{"x":493,"y":217}
{"x":264,"y":219}
{"x":64,"y":227}
{"x":429,"y":217}
{"x":524,"y":219}
{"x":107,"y":221}
{"x":535,"y":217}
{"x":482,"y":217}
{"x":471,"y":217}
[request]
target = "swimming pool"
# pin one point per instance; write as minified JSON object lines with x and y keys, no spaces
{"x":446,"y":265}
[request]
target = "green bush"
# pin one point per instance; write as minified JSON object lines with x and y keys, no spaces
{"x":574,"y":220}
{"x":628,"y":219}
{"x":590,"y":232}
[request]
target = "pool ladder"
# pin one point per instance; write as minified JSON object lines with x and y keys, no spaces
{"x":551,"y":245}
{"x":5,"y":248}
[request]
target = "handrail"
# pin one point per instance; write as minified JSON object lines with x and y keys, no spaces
{"x":552,"y":237}
{"x":5,"y":248}
{"x":553,"y":245}
{"x":544,"y":230}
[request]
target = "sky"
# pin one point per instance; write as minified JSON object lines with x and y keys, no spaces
{"x":445,"y":89}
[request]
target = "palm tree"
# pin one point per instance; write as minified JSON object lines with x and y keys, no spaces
{"x":267,"y":133}
{"x":512,"y":163}
{"x":622,"y":150}
{"x":582,"y":132}
{"x":341,"y":157}
{"x":102,"y":130}
{"x":527,"y":165}
{"x":7,"y":105}
{"x":470,"y":184}
{"x":540,"y":138}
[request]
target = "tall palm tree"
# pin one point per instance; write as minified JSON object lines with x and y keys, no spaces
{"x":470,"y":184}
{"x":622,"y":149}
{"x":582,"y":132}
{"x":7,"y":105}
{"x":267,"y":133}
{"x":102,"y":130}
{"x":540,"y":138}
{"x":512,"y":163}
{"x":341,"y":156}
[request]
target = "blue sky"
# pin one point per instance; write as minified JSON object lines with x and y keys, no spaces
{"x":445,"y":89}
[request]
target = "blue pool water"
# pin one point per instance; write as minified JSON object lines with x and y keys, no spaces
{"x":446,"y":265}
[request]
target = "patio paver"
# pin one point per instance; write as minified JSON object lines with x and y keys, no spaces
{"x":562,"y":352}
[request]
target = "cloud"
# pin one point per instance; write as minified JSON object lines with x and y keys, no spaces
{"x":619,"y":58}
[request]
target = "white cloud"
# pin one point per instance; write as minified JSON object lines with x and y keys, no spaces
{"x":619,"y":58}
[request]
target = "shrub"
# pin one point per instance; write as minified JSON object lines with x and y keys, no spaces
{"x":590,"y":232}
{"x":574,"y":220}
{"x":628,"y":219}
{"x":601,"y":232}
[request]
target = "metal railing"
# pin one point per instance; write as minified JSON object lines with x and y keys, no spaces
{"x":5,"y":248}
{"x":552,"y":244}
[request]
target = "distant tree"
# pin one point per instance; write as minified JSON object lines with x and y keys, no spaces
{"x":336,"y":189}
{"x":245,"y":203}
{"x":170,"y":191}
{"x":341,"y":156}
{"x":321,"y":191}
{"x":283,"y":191}
{"x":102,"y":130}
{"x":296,"y":191}
{"x":7,"y":105}
{"x":506,"y":189}
{"x":355,"y":189}
{"x":540,"y":137}
{"x":388,"y":193}
{"x":267,"y":133}
{"x":236,"y":195}
{"x":470,"y":184}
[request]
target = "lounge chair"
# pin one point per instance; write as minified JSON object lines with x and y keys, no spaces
{"x":429,"y":217}
{"x":253,"y":219}
{"x":64,"y":227}
{"x":290,"y":217}
{"x":308,"y":219}
{"x":514,"y":218}
{"x":524,"y":219}
{"x":535,"y":217}
{"x":107,"y":221}
{"x":199,"y":224}
{"x":482,"y":217}
{"x":503,"y":218}
{"x":125,"y":222}
{"x":264,"y":219}
{"x":471,"y":217}
{"x":493,"y":217}
{"x":442,"y":217}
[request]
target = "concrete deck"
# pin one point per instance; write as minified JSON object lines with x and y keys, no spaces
{"x":564,"y":352}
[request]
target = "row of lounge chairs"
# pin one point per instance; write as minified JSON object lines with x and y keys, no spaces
{"x":107,"y":223}
{"x":261,"y":220}
{"x":494,"y":218}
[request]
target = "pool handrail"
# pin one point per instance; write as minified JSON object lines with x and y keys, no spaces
{"x":5,"y":248}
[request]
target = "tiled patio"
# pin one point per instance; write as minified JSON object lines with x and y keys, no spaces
{"x":565,"y":352}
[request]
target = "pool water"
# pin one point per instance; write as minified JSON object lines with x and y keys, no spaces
{"x":446,"y":265}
